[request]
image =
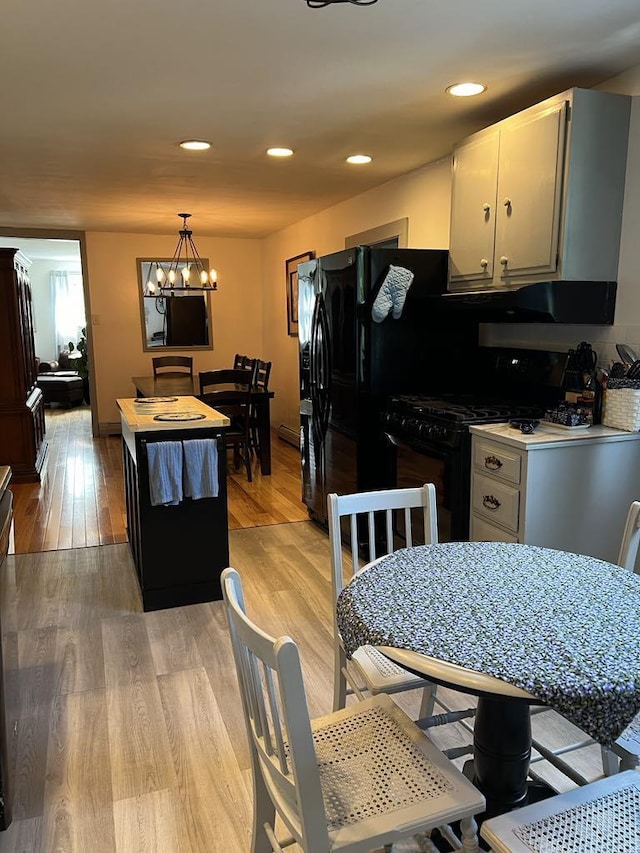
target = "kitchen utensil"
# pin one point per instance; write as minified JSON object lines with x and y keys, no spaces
{"x":627,"y":355}
{"x":618,"y":370}
{"x":634,"y":370}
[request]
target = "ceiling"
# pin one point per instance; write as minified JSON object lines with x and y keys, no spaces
{"x":96,"y":97}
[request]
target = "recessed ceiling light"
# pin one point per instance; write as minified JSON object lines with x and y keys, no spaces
{"x":359,"y":158}
{"x":279,"y":152}
{"x":466,"y":90}
{"x":195,"y":145}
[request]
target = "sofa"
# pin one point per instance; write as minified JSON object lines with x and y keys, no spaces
{"x":59,"y":383}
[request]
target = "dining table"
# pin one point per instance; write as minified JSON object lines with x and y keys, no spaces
{"x":162,"y":386}
{"x":515,"y":625}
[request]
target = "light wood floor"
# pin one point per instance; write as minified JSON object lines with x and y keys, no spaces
{"x":80,"y":501}
{"x":125,"y":728}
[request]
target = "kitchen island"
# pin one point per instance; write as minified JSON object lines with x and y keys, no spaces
{"x":568,"y":489}
{"x":179,"y":549}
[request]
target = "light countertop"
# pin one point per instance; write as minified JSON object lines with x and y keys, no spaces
{"x":139,"y":417}
{"x":548,"y":436}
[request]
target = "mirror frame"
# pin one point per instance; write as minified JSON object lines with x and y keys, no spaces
{"x":206,"y":294}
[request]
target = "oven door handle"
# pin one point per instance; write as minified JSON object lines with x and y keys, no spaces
{"x":416,"y":447}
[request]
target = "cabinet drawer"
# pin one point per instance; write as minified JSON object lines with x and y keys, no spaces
{"x":496,"y":501}
{"x":482,"y":531}
{"x":493,"y":459}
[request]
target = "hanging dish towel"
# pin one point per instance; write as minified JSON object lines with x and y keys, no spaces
{"x":392,"y":294}
{"x":165,"y":472}
{"x":200,"y":468}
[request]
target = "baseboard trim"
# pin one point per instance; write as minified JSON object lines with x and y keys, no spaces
{"x":105,"y":429}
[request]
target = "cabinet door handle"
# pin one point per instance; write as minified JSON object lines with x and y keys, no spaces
{"x":492,"y":463}
{"x":491,"y":502}
{"x":504,"y":260}
{"x":484,"y":263}
{"x":507,"y":202}
{"x":486,"y":207}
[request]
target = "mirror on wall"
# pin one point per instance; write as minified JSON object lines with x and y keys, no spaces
{"x":171,"y":320}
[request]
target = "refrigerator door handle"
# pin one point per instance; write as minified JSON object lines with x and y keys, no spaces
{"x":314,"y":372}
{"x":324,"y":365}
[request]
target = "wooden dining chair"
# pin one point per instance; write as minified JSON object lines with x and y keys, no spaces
{"x":379,"y":523}
{"x":163,"y":364}
{"x":240,"y":361}
{"x":229,"y":391}
{"x":347,"y":782}
{"x":262,"y":372}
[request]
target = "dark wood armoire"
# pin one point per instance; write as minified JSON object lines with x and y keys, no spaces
{"x":22,"y":442}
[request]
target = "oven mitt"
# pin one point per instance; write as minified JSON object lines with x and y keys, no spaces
{"x":392,"y":294}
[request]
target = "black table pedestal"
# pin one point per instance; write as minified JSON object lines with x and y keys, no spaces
{"x":502,"y":751}
{"x":501,"y":756}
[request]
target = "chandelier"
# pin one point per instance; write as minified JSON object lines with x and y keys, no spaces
{"x":319,"y":4}
{"x":186,"y":270}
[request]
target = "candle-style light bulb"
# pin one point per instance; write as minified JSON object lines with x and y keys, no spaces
{"x":204,"y":277}
{"x":186,"y":272}
{"x":159,"y":274}
{"x":151,"y":288}
{"x":213,"y":275}
{"x":172,"y":276}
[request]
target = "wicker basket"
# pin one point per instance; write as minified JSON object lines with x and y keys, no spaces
{"x":622,"y":405}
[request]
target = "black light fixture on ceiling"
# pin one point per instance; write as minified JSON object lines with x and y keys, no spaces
{"x":186,"y":270}
{"x":319,"y":4}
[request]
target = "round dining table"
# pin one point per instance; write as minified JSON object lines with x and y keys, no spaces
{"x":515,"y":625}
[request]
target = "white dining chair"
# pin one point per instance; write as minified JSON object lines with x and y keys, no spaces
{"x":380,"y":522}
{"x":624,"y":754}
{"x":601,"y":817}
{"x":351,"y":781}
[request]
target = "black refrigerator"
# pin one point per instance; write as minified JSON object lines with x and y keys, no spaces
{"x":350,"y":362}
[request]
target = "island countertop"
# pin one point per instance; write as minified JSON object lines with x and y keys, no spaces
{"x":141,"y":416}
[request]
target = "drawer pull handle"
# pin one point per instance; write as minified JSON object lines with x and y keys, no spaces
{"x":491,"y":502}
{"x":492,"y":463}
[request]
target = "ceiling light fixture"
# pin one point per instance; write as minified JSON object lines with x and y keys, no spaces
{"x":319,"y":4}
{"x":466,"y":90}
{"x":359,"y":158}
{"x":195,"y":145}
{"x":186,"y":266}
{"x":279,"y":152}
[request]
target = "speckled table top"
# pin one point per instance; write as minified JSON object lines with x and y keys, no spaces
{"x":562,"y":626}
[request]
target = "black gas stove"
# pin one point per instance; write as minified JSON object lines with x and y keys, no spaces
{"x":443,"y":419}
{"x":429,"y":432}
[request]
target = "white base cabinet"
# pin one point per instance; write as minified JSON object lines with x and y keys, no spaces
{"x":557,"y":490}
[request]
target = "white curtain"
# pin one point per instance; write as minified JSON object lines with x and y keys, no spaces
{"x":68,"y":307}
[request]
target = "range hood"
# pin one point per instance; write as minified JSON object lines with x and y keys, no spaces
{"x":574,"y":302}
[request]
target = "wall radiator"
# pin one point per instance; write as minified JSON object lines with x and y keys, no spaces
{"x":290,"y":435}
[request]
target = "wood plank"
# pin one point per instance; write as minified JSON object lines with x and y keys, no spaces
{"x":78,"y":812}
{"x":204,"y":762}
{"x":139,"y":750}
{"x":151,"y":823}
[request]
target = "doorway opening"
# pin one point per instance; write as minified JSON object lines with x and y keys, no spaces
{"x":59,"y":295}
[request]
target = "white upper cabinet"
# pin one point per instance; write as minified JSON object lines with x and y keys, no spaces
{"x":539,"y":195}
